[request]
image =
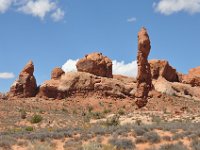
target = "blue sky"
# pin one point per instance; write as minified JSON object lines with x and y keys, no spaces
{"x":50,"y":32}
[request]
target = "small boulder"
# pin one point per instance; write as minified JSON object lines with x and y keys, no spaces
{"x":57,"y":73}
{"x":97,"y":64}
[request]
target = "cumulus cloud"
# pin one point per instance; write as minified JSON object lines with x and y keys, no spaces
{"x":36,"y":8}
{"x":58,"y":15}
{"x":70,"y":65}
{"x":122,"y":68}
{"x":4,"y":5}
{"x":6,"y":75}
{"x":132,"y":19}
{"x":168,"y":7}
{"x":129,"y":69}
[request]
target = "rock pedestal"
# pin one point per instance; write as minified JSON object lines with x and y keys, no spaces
{"x":144,"y":79}
{"x":25,"y":86}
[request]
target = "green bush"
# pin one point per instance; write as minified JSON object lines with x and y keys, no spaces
{"x":121,"y":112}
{"x":29,"y":128}
{"x":113,"y":121}
{"x":36,"y":119}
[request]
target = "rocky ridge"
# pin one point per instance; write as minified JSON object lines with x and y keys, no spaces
{"x":156,"y":78}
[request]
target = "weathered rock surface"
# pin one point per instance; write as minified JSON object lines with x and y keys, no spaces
{"x":193,"y":77}
{"x":73,"y":83}
{"x":144,"y":79}
{"x":57,"y":73}
{"x":95,"y":63}
{"x":25,"y":85}
{"x":161,"y":68}
{"x":176,"y":89}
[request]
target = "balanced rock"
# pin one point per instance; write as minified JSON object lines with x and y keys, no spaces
{"x":25,"y":85}
{"x":57,"y":73}
{"x":97,"y":64}
{"x":193,"y":77}
{"x":161,"y":68}
{"x":144,"y":79}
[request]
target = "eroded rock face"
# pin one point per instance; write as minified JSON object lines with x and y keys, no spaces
{"x":57,"y":73}
{"x":97,"y":64}
{"x":73,"y":83}
{"x":161,"y":68}
{"x":25,"y":86}
{"x":192,"y":78}
{"x":144,"y":79}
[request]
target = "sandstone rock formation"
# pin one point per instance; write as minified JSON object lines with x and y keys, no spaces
{"x":25,"y":85}
{"x":144,"y":81}
{"x":57,"y":73}
{"x":193,"y":77}
{"x":161,"y":68}
{"x":81,"y":83}
{"x":97,"y":64}
{"x":176,"y":89}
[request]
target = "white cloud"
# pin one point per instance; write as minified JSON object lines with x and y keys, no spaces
{"x":6,"y":75}
{"x":58,"y":15}
{"x":4,"y":5}
{"x":132,"y":19}
{"x":129,"y":69}
{"x":36,"y":8}
{"x":70,"y":65}
{"x":169,"y":7}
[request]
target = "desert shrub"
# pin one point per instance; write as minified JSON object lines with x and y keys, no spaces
{"x":90,"y":109}
{"x":124,"y":144}
{"x":138,"y":122}
{"x":152,"y":148}
{"x":195,"y":144}
{"x":177,"y":146}
{"x":29,"y":128}
{"x":152,"y":137}
{"x":121,"y":111}
{"x":140,"y":130}
{"x":108,"y":147}
{"x":68,"y":133}
{"x":112,"y":121}
{"x":166,"y":138}
{"x":178,"y":136}
{"x":36,"y":118}
{"x":156,"y":119}
{"x":41,"y":146}
{"x":56,"y":135}
{"x":97,"y":115}
{"x":140,"y":139}
{"x":92,"y":146}
{"x":72,"y":145}
{"x":6,"y":142}
{"x":23,"y":114}
{"x":101,"y":104}
{"x":22,"y":143}
{"x":100,"y":130}
{"x":106,"y":111}
{"x":37,"y":136}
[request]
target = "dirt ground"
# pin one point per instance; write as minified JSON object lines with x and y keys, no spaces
{"x":95,"y":122}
